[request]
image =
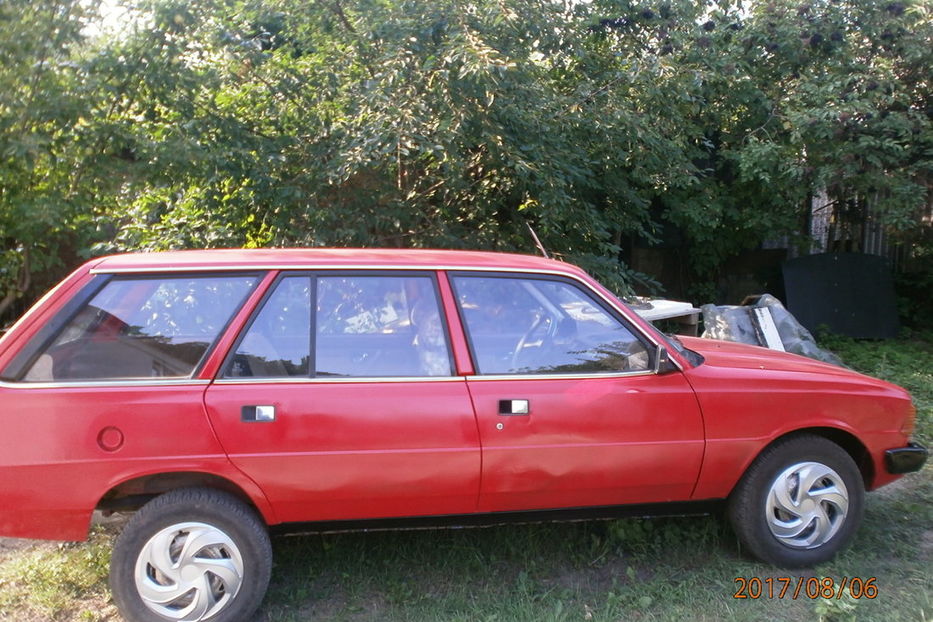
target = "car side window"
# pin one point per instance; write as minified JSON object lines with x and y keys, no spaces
{"x":379,"y":326}
{"x":526,"y":325}
{"x":277,"y":344}
{"x":363,"y":326}
{"x":142,"y":327}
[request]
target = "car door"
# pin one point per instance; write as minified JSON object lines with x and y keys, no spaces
{"x":569,"y":408}
{"x":340,"y":401}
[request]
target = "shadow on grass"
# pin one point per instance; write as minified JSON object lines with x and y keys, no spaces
{"x":638,"y":569}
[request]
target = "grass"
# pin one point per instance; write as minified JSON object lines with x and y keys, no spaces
{"x":635,"y":569}
{"x":57,"y":581}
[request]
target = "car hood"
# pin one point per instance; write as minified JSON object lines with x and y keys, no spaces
{"x":742,"y":356}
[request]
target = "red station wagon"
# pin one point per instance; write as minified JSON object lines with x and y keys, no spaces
{"x":225,"y":394}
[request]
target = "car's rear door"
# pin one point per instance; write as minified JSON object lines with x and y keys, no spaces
{"x":569,"y":409}
{"x":340,"y":401}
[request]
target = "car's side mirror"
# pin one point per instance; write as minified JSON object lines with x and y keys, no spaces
{"x":662,"y":361}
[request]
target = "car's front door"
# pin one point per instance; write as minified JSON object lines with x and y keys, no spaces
{"x":339,"y":400}
{"x":570,"y":412}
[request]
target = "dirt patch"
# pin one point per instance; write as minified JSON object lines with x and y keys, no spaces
{"x":895,"y":488}
{"x":597,"y":578}
{"x":14,"y":544}
{"x":11,"y":546}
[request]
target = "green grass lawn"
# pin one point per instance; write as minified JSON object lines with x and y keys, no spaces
{"x":634,"y":569}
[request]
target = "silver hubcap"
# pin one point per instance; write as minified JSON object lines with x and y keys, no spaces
{"x":189,"y":571}
{"x":807,"y":505}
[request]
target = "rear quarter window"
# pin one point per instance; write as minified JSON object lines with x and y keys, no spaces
{"x":142,"y":327}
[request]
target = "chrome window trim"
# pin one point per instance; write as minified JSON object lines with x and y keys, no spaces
{"x":397,"y":379}
{"x":590,"y":376}
{"x":340,"y":380}
{"x":103,"y":384}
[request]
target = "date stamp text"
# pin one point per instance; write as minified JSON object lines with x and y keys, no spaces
{"x":755,"y":588}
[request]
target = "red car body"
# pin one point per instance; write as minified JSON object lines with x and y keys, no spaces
{"x":218,"y":394}
{"x":356,"y":448}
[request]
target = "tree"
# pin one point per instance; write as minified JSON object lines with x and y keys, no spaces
{"x":446,"y":124}
{"x":41,"y":112}
{"x":800,"y":99}
{"x":456,"y":124}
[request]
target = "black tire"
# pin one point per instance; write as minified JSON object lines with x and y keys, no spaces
{"x":765,"y":528}
{"x":225,"y":535}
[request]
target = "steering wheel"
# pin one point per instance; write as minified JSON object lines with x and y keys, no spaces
{"x":547,"y":337}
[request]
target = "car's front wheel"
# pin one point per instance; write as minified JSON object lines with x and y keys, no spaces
{"x":799,"y":503}
{"x":192,"y":554}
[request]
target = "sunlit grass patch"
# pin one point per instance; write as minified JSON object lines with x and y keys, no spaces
{"x":51,"y":582}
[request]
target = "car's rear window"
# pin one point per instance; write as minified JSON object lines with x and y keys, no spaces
{"x":142,"y":327}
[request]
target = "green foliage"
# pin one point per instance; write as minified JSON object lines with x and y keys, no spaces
{"x":454,"y":124}
{"x":915,"y":283}
{"x":796,"y":99}
{"x":401,"y":124}
{"x":41,"y":107}
{"x":841,"y":608}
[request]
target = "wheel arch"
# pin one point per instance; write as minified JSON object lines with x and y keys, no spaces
{"x":131,"y":494}
{"x":846,"y":440}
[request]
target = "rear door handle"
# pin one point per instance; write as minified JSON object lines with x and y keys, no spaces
{"x":257,"y":413}
{"x":514,"y":407}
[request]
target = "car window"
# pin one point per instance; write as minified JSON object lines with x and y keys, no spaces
{"x":364,"y":326}
{"x":142,"y":327}
{"x":524,"y":325}
{"x":278,"y":341}
{"x":379,"y":326}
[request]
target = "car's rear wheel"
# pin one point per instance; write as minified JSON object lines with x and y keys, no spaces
{"x":193,"y":555}
{"x":799,"y":503}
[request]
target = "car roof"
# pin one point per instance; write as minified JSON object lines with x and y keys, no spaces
{"x":320,"y":258}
